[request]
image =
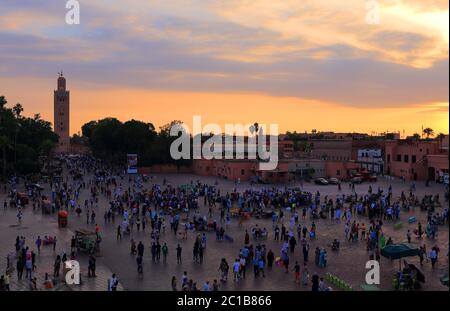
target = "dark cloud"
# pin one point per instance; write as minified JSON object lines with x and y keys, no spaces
{"x":114,"y":55}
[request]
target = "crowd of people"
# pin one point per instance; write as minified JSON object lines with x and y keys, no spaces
{"x":138,"y":203}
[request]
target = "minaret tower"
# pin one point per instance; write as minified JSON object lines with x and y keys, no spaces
{"x":61,"y":109}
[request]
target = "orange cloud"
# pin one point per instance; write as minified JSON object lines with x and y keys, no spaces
{"x":159,"y":107}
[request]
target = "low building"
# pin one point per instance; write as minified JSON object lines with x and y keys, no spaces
{"x":371,"y":159}
{"x":307,"y":168}
{"x":331,"y":149}
{"x":229,"y":169}
{"x":342,"y":170}
{"x":416,"y":159}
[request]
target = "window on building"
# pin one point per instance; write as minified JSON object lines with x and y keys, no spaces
{"x":413,"y":159}
{"x":406,"y":158}
{"x":389,"y":158}
{"x":399,"y":157}
{"x":338,"y":172}
{"x":242,"y":172}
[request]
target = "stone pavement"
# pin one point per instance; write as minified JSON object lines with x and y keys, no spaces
{"x":348,"y":263}
{"x":45,"y":260}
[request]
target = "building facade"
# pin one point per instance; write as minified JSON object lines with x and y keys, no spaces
{"x":331,"y":149}
{"x":416,"y":160}
{"x":371,"y":159}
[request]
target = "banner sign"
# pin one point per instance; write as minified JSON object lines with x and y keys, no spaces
{"x":132,"y":164}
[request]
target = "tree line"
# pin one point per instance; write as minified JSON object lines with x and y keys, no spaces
{"x":111,"y":140}
{"x":23,"y":140}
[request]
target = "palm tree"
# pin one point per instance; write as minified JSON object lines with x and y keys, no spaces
{"x":255,"y":129}
{"x":17,"y":110}
{"x":3,"y":102}
{"x":428,"y":132}
{"x":256,"y":125}
{"x":4,"y":144}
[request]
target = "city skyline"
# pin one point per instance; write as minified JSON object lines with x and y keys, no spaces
{"x":302,"y":64}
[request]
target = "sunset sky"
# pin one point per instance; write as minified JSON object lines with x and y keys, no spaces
{"x":304,"y":64}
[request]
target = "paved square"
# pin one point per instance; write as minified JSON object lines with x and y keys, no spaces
{"x":348,"y":263}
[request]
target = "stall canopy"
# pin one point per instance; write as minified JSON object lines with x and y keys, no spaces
{"x":396,"y":251}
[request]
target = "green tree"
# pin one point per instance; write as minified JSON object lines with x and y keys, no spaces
{"x":416,"y":136}
{"x":21,"y":138}
{"x":88,"y":128}
{"x":47,"y":147}
{"x":4,"y":145}
{"x":3,"y":102}
{"x":110,"y":140}
{"x":17,"y":109}
{"x":105,"y":142}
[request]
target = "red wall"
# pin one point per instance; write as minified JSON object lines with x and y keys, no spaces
{"x":164,"y":169}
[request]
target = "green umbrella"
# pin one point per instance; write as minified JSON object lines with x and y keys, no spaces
{"x":370,"y":288}
{"x":396,"y":251}
{"x":444,"y":279}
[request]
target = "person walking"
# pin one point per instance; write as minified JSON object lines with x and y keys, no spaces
{"x":139,"y":262}
{"x":296,"y":272}
{"x":261,"y":267}
{"x":38,"y":244}
{"x":305,"y":252}
{"x":6,"y":282}
{"x":236,"y":270}
{"x":57,"y":266}
{"x":305,"y":275}
{"x":165,"y":251}
{"x":20,"y":266}
{"x":28,"y":268}
{"x":113,"y":282}
{"x":91,"y":266}
{"x":174,"y":283}
{"x":224,"y":268}
{"x":315,"y":283}
{"x":140,"y":249}
{"x":179,"y":250}
{"x":119,"y":233}
{"x":270,"y":258}
{"x":421,"y":255}
{"x":433,"y":256}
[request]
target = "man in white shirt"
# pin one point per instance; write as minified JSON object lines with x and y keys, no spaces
{"x":112,"y":283}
